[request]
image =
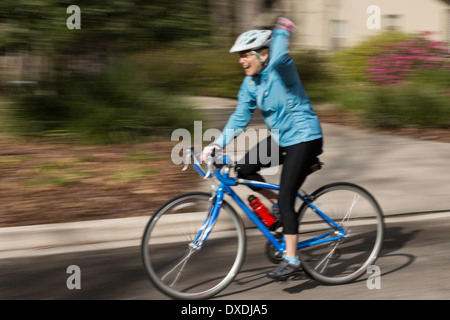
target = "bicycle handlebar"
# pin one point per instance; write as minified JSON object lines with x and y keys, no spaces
{"x":219,"y":161}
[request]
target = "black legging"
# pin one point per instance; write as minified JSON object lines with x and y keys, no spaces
{"x":297,"y":160}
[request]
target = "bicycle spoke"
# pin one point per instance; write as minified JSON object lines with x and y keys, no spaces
{"x":326,"y":260}
{"x":350,"y":210}
{"x":182,"y":261}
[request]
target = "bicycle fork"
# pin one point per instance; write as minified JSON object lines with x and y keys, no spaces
{"x":200,"y":238}
{"x":209,"y":222}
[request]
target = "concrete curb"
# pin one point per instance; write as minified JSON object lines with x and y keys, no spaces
{"x":39,"y":240}
{"x":65,"y":237}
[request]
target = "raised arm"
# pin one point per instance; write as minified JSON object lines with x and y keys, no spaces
{"x":241,"y":117}
{"x":279,"y":52}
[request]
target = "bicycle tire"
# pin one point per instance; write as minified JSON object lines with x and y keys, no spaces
{"x":167,"y":257}
{"x":344,"y":260}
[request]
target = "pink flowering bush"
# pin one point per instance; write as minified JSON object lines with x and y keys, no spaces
{"x":398,"y":61}
{"x":420,"y":70}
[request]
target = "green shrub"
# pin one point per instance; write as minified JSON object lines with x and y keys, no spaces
{"x":115,"y":106}
{"x":392,"y":107}
{"x":313,"y":66}
{"x":316,"y":73}
{"x":409,"y":105}
{"x":437,"y":77}
{"x":215,"y":71}
{"x":354,"y":98}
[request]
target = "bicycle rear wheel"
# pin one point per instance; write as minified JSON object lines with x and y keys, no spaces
{"x":172,"y":259}
{"x":358,"y":213}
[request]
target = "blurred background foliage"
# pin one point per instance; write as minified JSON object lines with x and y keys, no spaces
{"x":85,"y":89}
{"x":123,"y":75}
{"x":106,"y":26}
{"x":392,"y":88}
{"x":115,"y":106}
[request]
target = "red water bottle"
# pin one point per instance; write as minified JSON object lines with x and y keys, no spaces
{"x":261,"y":211}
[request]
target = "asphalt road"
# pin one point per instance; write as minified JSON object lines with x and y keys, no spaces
{"x":413,"y":264}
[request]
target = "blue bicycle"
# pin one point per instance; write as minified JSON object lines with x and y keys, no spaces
{"x":340,"y":234}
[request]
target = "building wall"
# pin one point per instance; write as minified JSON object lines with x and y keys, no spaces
{"x":330,"y":24}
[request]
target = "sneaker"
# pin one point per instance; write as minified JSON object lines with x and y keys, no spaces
{"x":284,"y":270}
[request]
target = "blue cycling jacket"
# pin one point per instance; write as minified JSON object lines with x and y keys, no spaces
{"x":279,"y":94}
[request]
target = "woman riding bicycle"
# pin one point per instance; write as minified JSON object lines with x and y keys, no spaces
{"x":272,"y":84}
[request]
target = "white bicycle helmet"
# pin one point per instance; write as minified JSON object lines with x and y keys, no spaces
{"x":252,"y":40}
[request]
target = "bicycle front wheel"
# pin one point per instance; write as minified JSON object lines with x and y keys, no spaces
{"x":358,"y":213}
{"x":177,"y":263}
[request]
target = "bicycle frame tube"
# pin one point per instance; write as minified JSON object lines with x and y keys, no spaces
{"x":322,"y":215}
{"x":280,"y":246}
{"x":225,"y":187}
{"x":266,"y":232}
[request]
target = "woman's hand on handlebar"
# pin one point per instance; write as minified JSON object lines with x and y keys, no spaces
{"x":209,"y":151}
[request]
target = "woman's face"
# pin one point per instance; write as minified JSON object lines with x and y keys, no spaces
{"x":250,"y":62}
